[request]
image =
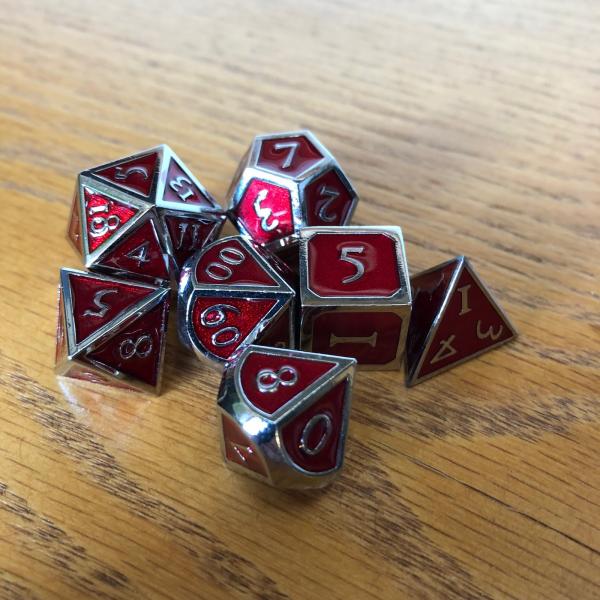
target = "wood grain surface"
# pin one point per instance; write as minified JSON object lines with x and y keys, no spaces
{"x":473,"y":125}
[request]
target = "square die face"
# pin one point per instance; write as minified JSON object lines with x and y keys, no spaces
{"x":353,"y":264}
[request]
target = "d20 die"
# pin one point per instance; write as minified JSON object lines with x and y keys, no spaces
{"x":110,"y":330}
{"x":287,"y":181}
{"x":284,"y":415}
{"x":354,"y":294}
{"x":231,"y":296}
{"x":141,"y":215}
{"x":455,"y":317}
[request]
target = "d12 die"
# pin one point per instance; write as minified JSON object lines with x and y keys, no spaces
{"x":285,"y":182}
{"x":354,"y":293}
{"x":141,"y":215}
{"x":284,"y":415}
{"x":454,"y":318}
{"x":231,"y":296}
{"x":110,"y":330}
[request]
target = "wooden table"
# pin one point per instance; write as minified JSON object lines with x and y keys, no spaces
{"x":474,"y":126}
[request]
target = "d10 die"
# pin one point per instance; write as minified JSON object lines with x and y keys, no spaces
{"x":285,"y":182}
{"x":284,"y":415}
{"x":111,"y":331}
{"x":142,"y":215}
{"x":354,"y":293}
{"x":231,"y":296}
{"x":454,"y":318}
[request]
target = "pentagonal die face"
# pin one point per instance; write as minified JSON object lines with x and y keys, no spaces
{"x":355,"y":295}
{"x":284,"y":415}
{"x":142,"y":215}
{"x":285,"y":182}
{"x":229,"y":297}
{"x":111,"y":331}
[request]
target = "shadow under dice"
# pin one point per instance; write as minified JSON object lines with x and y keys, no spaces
{"x":287,"y":181}
{"x":284,"y":415}
{"x":111,"y":331}
{"x":354,"y":293}
{"x":230,"y":296}
{"x":142,"y":215}
{"x":454,"y":318}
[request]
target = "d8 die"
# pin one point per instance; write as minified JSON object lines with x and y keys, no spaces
{"x":455,"y":317}
{"x":285,"y":182}
{"x":284,"y":415}
{"x":354,"y":293}
{"x":111,"y":331}
{"x":231,"y":296}
{"x":142,"y":215}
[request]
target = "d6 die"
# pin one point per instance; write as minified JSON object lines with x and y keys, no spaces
{"x":231,"y":296}
{"x":142,"y":215}
{"x":111,"y":331}
{"x":284,"y":415}
{"x":455,"y":317}
{"x":285,"y":182}
{"x":354,"y":293}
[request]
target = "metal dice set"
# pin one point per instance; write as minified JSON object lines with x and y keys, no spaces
{"x":286,"y":309}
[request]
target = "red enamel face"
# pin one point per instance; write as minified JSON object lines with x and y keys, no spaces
{"x":222,"y":324}
{"x":188,"y":234}
{"x":372,"y":338}
{"x":470,"y":324}
{"x":180,"y":188}
{"x":137,"y":350}
{"x":97,"y":302}
{"x":135,"y":175}
{"x":104,"y":217}
{"x":290,"y":156}
{"x":271,"y":381}
{"x":353,"y":264}
{"x":265,"y":211}
{"x":239,"y":449}
{"x":327,"y":200}
{"x":139,"y":252}
{"x":229,"y":262}
{"x":312,"y":439}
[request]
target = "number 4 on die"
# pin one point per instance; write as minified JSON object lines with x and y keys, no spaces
{"x":454,"y":318}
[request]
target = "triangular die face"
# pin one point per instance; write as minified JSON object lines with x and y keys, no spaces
{"x":429,"y":290}
{"x":97,"y":302}
{"x":188,"y":234}
{"x":74,"y":230}
{"x":139,"y":252}
{"x":271,"y":381}
{"x":133,"y":174}
{"x":239,"y":449}
{"x":471,"y":323}
{"x":181,"y":191}
{"x":230,"y":262}
{"x":137,"y":350}
{"x":221,"y":325}
{"x":105,"y":216}
{"x":313,"y":440}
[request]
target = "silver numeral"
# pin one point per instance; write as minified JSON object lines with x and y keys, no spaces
{"x":308,"y":428}
{"x":102,"y":307}
{"x":269,"y":380}
{"x":182,"y":186}
{"x":464,"y":300}
{"x":360,"y":267}
{"x":220,"y":271}
{"x":334,"y":340}
{"x":101,"y":224}
{"x":121,"y":174}
{"x":446,"y":350}
{"x":140,"y":254}
{"x":215,"y":316}
{"x":328,"y":196}
{"x":140,"y":347}
{"x":292,"y":148}
{"x":264,"y":213}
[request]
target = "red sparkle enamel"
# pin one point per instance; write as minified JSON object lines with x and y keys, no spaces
{"x":331,"y":405}
{"x":307,"y":373}
{"x":336,"y":259}
{"x":327,"y":201}
{"x":265,"y":211}
{"x":188,"y":234}
{"x":179,"y":187}
{"x":290,"y":156}
{"x":135,"y":174}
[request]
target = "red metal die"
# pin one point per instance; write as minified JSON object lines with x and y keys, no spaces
{"x":355,"y":297}
{"x":231,"y":296}
{"x":284,"y":415}
{"x":284,"y":182}
{"x":455,"y":318}
{"x":124,"y":217}
{"x":111,"y":330}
